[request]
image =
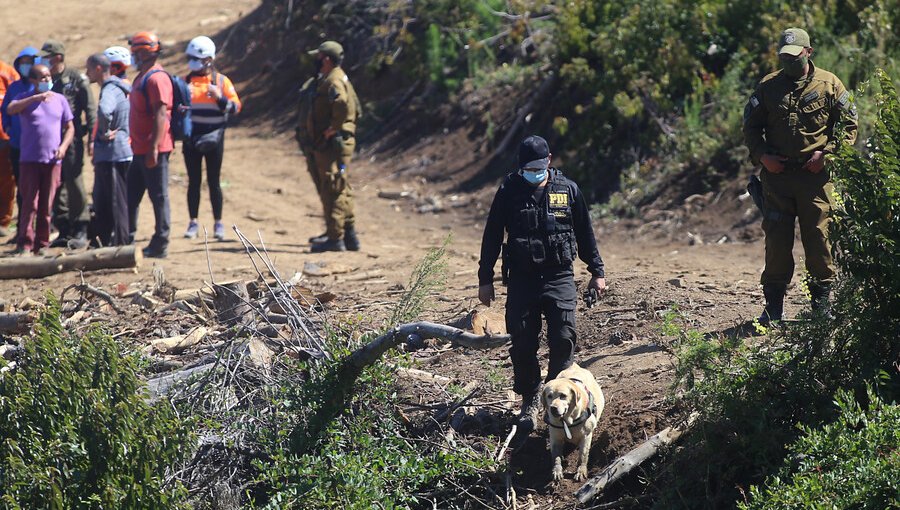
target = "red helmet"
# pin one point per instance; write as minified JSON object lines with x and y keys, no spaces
{"x":145,"y":40}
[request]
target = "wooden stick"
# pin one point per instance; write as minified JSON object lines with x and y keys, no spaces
{"x":512,"y":433}
{"x":626,"y":463}
{"x":38,"y":267}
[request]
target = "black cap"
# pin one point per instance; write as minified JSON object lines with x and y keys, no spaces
{"x":534,"y":152}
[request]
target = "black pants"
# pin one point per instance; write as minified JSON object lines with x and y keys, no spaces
{"x":527,"y":299}
{"x":193,"y":160}
{"x":155,"y":181}
{"x":70,"y":209}
{"x":110,"y":223}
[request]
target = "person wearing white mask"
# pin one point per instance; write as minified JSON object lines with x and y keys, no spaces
{"x":213,"y":100}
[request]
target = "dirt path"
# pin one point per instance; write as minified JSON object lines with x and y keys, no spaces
{"x":268,"y":193}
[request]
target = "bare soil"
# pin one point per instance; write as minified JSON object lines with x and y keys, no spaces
{"x":269,"y":196}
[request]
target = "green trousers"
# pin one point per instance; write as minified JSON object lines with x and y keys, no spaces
{"x":334,"y":187}
{"x":797,"y":193}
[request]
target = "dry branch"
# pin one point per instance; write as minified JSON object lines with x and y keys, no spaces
{"x":38,"y":267}
{"x":626,"y":463}
{"x":177,"y":344}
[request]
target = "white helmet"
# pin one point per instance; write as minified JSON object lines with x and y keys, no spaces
{"x":118,"y":54}
{"x":201,"y":47}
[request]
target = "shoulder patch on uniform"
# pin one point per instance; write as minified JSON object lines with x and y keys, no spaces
{"x":754,"y":102}
{"x":844,"y":98}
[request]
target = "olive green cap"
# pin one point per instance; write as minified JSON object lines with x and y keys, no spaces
{"x":793,"y":41}
{"x":53,"y":47}
{"x":329,"y":48}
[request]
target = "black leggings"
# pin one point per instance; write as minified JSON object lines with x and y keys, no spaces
{"x":193,"y":160}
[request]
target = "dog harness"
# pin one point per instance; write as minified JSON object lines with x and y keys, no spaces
{"x":590,"y":410}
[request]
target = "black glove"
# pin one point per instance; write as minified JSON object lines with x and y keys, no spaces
{"x":591,"y":297}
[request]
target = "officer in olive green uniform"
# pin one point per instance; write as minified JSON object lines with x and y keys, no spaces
{"x":791,"y":123}
{"x":305,"y":141}
{"x":70,"y":209}
{"x":332,"y":127}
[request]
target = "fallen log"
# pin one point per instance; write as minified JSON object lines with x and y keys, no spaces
{"x":117,"y":257}
{"x":626,"y":463}
{"x":423,"y":376}
{"x":16,"y":323}
{"x":160,"y":386}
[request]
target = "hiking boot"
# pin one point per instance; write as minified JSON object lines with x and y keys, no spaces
{"x":155,"y":253}
{"x":219,"y":231}
{"x":321,"y":238}
{"x":528,"y":414}
{"x":774,"y":309}
{"x":328,"y":245}
{"x":820,"y":298}
{"x":61,"y":241}
{"x":79,"y":239}
{"x":350,"y":239}
{"x":192,"y":230}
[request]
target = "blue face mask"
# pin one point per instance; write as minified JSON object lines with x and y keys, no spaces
{"x":24,"y":69}
{"x":44,"y":86}
{"x":534,"y":178}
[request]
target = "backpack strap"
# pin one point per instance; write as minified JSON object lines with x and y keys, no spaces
{"x":143,"y":86}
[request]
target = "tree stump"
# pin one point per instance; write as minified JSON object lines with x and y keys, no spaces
{"x":232,"y":302}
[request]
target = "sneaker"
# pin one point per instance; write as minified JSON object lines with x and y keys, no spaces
{"x":329,"y":245}
{"x":192,"y":230}
{"x":155,"y":253}
{"x":219,"y":231}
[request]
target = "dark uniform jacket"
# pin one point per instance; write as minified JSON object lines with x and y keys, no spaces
{"x":794,"y":118}
{"x":545,"y":235}
{"x":77,"y":89}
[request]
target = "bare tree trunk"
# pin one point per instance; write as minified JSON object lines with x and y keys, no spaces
{"x":117,"y":257}
{"x":232,"y":301}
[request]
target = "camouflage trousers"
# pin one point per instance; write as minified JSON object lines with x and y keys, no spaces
{"x":334,"y":187}
{"x":797,"y":193}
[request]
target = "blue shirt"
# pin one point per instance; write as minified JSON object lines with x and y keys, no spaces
{"x":11,"y":123}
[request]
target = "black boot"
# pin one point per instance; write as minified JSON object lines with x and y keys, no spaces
{"x":62,"y":240}
{"x":350,"y":239}
{"x":329,"y":245}
{"x":774,"y":295}
{"x":79,"y":238}
{"x":820,"y":298}
{"x":321,"y":238}
{"x":528,"y":414}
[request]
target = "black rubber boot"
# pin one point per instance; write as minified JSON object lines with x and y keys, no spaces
{"x":62,"y":240}
{"x":350,"y":239}
{"x":774,"y":310}
{"x":329,"y":245}
{"x":820,"y":298}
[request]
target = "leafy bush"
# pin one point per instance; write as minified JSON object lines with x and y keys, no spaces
{"x":76,"y":431}
{"x":367,"y":457}
{"x":753,"y":396}
{"x":850,"y":463}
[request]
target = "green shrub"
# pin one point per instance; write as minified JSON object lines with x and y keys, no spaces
{"x":76,"y":431}
{"x":850,"y":463}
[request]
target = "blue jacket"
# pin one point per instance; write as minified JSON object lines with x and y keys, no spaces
{"x":112,"y":115}
{"x":11,"y":122}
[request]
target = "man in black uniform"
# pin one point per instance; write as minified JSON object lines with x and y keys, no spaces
{"x":70,"y":209}
{"x":548,"y":224}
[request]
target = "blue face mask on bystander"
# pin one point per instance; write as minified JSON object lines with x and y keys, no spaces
{"x":24,"y":69}
{"x":44,"y":86}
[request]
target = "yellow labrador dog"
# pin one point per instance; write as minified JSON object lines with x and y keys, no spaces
{"x":573,"y":403}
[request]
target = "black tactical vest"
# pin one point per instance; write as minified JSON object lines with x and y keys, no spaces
{"x":541,"y":235}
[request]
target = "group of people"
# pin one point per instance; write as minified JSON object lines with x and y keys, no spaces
{"x":51,"y":119}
